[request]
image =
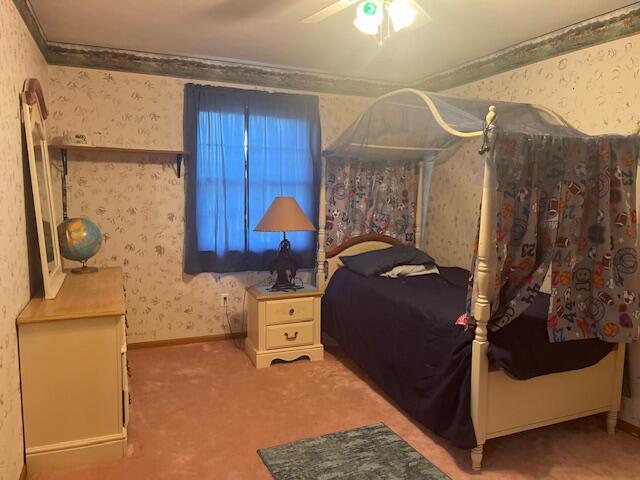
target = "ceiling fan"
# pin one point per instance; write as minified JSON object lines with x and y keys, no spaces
{"x":377,"y":17}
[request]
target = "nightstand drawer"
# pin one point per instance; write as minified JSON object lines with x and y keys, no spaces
{"x":290,"y":335}
{"x":289,"y":311}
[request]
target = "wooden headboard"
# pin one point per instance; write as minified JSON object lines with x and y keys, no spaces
{"x":354,"y":246}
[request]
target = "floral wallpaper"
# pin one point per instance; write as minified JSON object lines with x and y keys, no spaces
{"x":596,"y":90}
{"x":19,"y":59}
{"x":451,"y":232}
{"x":138,"y":201}
{"x":145,"y":111}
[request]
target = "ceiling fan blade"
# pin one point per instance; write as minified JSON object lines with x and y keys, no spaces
{"x":329,"y":11}
{"x":423,"y":17}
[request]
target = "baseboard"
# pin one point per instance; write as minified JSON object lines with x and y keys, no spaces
{"x":23,"y":473}
{"x":629,"y":428}
{"x":185,"y":341}
{"x":76,"y":453}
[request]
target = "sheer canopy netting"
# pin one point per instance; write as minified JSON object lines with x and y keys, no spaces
{"x":404,"y":125}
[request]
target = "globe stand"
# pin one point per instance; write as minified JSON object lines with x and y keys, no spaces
{"x":84,"y":269}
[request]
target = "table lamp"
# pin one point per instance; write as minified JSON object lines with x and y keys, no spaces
{"x":284,"y":215}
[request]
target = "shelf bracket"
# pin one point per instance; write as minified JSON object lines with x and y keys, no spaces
{"x":63,"y":155}
{"x":179,"y":159}
{"x":65,"y":170}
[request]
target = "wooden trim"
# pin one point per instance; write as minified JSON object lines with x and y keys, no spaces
{"x":23,"y":472}
{"x":118,"y":149}
{"x":369,"y":237}
{"x":418,"y":227}
{"x":82,"y":455}
{"x":171,"y":342}
{"x":35,"y":132}
{"x":482,"y":310}
{"x":33,"y":94}
{"x":629,"y":428}
{"x":545,"y":423}
{"x":72,"y":444}
{"x":322,"y":225}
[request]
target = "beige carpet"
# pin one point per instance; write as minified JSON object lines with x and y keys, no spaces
{"x":201,"y":411}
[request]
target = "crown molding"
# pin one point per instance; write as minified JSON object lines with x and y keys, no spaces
{"x":620,"y":23}
{"x":213,"y":70}
{"x":196,"y":68}
{"x":31,"y":21}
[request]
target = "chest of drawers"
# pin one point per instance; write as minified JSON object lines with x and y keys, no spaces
{"x":73,"y":367}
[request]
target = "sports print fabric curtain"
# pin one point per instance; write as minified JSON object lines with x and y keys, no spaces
{"x":370,"y":197}
{"x":568,"y":203}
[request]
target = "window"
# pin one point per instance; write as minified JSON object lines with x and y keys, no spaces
{"x":250,"y":147}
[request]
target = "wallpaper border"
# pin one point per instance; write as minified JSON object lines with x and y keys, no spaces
{"x":71,"y":55}
{"x":211,"y":70}
{"x":618,"y":24}
{"x":31,"y":21}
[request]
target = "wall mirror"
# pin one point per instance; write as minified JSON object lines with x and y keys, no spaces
{"x":34,"y":114}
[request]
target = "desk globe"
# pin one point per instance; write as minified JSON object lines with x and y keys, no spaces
{"x":80,"y":239}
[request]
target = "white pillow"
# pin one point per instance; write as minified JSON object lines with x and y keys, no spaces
{"x":410,"y":271}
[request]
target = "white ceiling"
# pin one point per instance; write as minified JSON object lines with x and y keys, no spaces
{"x":270,"y":32}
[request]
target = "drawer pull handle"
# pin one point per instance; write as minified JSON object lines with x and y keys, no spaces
{"x":292,"y":311}
{"x":286,"y":335}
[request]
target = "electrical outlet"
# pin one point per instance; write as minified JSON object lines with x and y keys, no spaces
{"x":224,"y":299}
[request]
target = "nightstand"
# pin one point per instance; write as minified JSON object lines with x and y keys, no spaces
{"x":283,"y":325}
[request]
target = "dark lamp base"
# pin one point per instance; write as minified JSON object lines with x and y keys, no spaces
{"x":285,"y":268}
{"x":289,"y":287}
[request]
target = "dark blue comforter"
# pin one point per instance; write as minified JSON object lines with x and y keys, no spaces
{"x":402,"y":333}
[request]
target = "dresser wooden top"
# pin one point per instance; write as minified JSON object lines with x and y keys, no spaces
{"x":261,"y":293}
{"x":99,"y":294}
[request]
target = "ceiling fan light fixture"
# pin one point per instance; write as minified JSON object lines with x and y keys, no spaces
{"x":371,"y":9}
{"x":366,"y":26}
{"x":402,"y":14}
{"x":369,"y":16}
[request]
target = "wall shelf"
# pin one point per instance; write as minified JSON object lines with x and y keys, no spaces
{"x":179,"y":154}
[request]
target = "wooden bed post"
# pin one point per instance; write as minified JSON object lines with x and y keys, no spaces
{"x":482,"y":307}
{"x":322,"y":233}
{"x":612,"y":415}
{"x":419,"y":203}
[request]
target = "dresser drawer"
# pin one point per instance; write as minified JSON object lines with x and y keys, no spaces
{"x":289,"y":335}
{"x":289,"y":311}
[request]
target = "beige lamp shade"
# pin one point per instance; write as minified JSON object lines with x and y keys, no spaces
{"x":284,"y":215}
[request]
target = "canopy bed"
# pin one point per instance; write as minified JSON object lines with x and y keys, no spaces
{"x":515,"y":368}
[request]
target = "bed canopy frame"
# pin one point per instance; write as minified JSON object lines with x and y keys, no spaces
{"x":423,"y":126}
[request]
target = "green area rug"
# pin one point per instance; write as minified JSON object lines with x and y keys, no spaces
{"x":372,"y":452}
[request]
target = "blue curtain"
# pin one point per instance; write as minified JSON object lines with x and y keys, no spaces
{"x":281,"y":163}
{"x":247,"y":147}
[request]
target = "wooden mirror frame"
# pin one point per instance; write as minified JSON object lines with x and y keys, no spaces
{"x":34,"y":113}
